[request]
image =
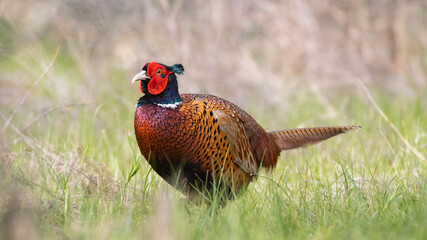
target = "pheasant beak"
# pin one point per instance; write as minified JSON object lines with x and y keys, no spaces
{"x":141,"y":76}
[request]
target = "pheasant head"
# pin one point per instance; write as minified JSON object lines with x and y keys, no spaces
{"x":159,"y":83}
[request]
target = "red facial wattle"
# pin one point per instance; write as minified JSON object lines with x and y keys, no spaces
{"x":157,"y":83}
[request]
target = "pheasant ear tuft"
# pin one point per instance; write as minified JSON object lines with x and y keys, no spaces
{"x":178,"y":69}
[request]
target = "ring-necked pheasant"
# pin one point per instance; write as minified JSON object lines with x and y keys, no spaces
{"x":195,"y":140}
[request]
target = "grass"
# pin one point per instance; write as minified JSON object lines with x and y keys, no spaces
{"x":71,"y":169}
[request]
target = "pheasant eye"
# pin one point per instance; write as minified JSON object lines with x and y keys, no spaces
{"x":159,"y":71}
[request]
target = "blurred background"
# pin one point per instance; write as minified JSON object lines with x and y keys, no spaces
{"x":67,"y":102}
{"x":240,"y":50}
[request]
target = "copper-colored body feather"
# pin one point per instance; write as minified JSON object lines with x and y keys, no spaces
{"x":207,"y":139}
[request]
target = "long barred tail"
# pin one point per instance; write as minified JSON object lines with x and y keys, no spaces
{"x":295,"y":138}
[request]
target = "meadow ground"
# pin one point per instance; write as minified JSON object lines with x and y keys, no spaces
{"x":70,"y":166}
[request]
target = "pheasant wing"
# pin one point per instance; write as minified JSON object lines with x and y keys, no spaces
{"x":240,"y":146}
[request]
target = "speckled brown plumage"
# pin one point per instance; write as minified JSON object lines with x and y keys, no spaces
{"x":194,"y":140}
{"x":205,"y":138}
